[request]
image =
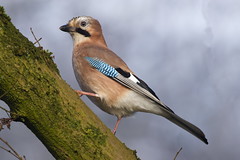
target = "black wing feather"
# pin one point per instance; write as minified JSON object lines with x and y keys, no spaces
{"x":148,"y":91}
{"x":142,"y":83}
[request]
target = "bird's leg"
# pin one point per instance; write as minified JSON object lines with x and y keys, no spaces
{"x":116,"y":125}
{"x":80,"y":93}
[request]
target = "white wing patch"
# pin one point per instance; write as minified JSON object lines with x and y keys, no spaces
{"x":127,"y":79}
{"x":133,"y":78}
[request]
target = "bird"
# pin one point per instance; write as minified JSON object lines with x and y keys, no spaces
{"x":107,"y":80}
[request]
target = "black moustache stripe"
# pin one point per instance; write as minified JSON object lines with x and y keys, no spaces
{"x":83,"y":32}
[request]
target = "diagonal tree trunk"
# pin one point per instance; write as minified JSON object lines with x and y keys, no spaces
{"x":39,"y":98}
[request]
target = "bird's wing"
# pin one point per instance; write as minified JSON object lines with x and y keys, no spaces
{"x":134,"y":83}
{"x":127,"y":79}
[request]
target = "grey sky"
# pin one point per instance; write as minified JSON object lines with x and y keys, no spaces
{"x":187,"y":51}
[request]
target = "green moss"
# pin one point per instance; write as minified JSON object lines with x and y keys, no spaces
{"x":95,"y":134}
{"x":47,"y":105}
{"x":98,"y":140}
{"x":11,"y":38}
{"x":2,"y":13}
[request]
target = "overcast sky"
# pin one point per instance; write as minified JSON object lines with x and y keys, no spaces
{"x":187,"y":51}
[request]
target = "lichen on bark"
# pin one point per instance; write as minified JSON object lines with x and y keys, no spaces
{"x":33,"y":89}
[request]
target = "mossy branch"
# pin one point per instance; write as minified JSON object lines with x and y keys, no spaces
{"x":33,"y":89}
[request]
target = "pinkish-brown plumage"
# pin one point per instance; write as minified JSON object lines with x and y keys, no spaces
{"x":123,"y":94}
{"x":91,"y":80}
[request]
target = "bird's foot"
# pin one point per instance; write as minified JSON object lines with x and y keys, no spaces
{"x":116,"y":126}
{"x":80,"y":93}
{"x":114,"y":130}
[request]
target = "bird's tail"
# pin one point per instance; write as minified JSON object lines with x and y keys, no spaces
{"x":194,"y":130}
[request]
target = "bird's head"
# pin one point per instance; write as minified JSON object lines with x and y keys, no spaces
{"x":84,"y":29}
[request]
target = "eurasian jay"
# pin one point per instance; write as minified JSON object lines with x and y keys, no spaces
{"x":108,"y":82}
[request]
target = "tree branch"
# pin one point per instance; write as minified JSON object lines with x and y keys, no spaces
{"x":177,"y":153}
{"x":11,"y":151}
{"x":47,"y":105}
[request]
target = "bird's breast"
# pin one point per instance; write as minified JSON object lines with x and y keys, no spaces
{"x":91,"y":80}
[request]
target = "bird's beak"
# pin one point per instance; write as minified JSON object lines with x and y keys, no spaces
{"x":67,"y":28}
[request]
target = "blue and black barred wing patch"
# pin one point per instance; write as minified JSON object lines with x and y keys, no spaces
{"x":126,"y":79}
{"x":102,"y":67}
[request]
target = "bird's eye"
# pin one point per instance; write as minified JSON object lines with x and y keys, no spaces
{"x":83,"y":23}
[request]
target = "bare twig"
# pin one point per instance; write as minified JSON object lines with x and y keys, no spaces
{"x":5,"y":109}
{"x":8,"y":151}
{"x":36,"y":40}
{"x":11,"y":151}
{"x":177,"y":153}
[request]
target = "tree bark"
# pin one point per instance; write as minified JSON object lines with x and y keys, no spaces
{"x":38,"y":97}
